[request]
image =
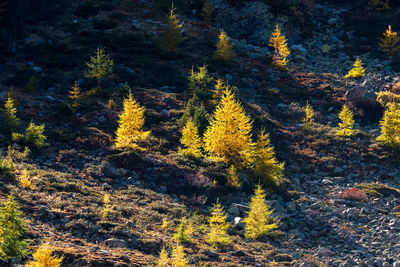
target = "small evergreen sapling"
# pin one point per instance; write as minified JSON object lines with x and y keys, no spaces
{"x":43,"y":257}
{"x":181,"y":234}
{"x":228,"y":137}
{"x":7,"y":168}
{"x":75,"y":95}
{"x":130,"y":123}
{"x":258,"y":221}
{"x":389,"y":42}
{"x":10,"y":122}
{"x":357,"y":71}
{"x":106,"y":206}
{"x":196,"y":112}
{"x":224,"y":51}
{"x":191,"y":140}
{"x":218,"y":235}
{"x":309,"y":118}
{"x":178,"y":257}
{"x":12,"y":228}
{"x":266,"y":166}
{"x":163,"y":259}
{"x":390,"y":126}
{"x":33,"y":136}
{"x":100,"y":66}
{"x":347,"y":122}
{"x":199,"y":83}
{"x":173,"y":34}
{"x":281,"y":50}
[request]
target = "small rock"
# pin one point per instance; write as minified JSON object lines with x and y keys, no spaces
{"x":108,"y":170}
{"x":332,"y":21}
{"x":115,"y":243}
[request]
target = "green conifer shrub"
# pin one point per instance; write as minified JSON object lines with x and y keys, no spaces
{"x":33,"y":136}
{"x":12,"y":229}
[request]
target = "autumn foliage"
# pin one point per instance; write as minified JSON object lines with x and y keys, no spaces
{"x":281,"y":50}
{"x":229,"y":135}
{"x":130,"y":122}
{"x":389,"y":42}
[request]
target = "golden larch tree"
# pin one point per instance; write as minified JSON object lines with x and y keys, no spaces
{"x":229,"y":135}
{"x":390,"y":126}
{"x":163,"y":259}
{"x":191,"y":140}
{"x":357,"y":71}
{"x":281,"y":51}
{"x":100,"y":66}
{"x":178,"y":257}
{"x":75,"y":94}
{"x":258,"y":221}
{"x":389,"y":42}
{"x":347,"y":122}
{"x":43,"y":257}
{"x":309,"y":118}
{"x":266,"y":166}
{"x":130,"y":122}
{"x":224,"y":51}
{"x":173,"y":33}
{"x":218,"y":235}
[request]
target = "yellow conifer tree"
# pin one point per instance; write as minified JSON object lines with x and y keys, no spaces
{"x":173,"y":34}
{"x":178,"y":257}
{"x":218,"y":235}
{"x":390,"y":126}
{"x":357,"y":71}
{"x":266,"y":166}
{"x":75,"y":94}
{"x":281,"y":50}
{"x":163,"y":259}
{"x":229,"y":135}
{"x":24,"y":179}
{"x":43,"y":258}
{"x":389,"y":42}
{"x":347,"y":122}
{"x":309,"y":118}
{"x":224,"y":50}
{"x":130,"y":122}
{"x":191,"y":140}
{"x":258,"y":221}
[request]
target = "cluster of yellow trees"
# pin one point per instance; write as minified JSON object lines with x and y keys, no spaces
{"x":258,"y":223}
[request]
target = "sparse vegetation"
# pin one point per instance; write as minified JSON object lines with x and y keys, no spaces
{"x":130,"y":122}
{"x":390,"y":126}
{"x":33,"y":136}
{"x":12,"y":228}
{"x":258,"y":220}
{"x":347,"y":122}
{"x":357,"y":71}
{"x":173,"y":33}
{"x":100,"y":66}
{"x":281,"y":50}
{"x":43,"y":257}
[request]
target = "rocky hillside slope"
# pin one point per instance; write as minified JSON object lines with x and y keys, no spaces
{"x":319,"y":222}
